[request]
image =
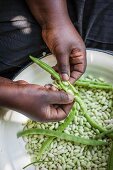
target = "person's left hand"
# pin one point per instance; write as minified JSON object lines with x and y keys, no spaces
{"x":44,"y":104}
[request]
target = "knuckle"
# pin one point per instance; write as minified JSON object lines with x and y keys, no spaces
{"x":75,"y":50}
{"x":82,"y":56}
{"x":64,"y":97}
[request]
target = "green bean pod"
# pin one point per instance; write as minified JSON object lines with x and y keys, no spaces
{"x":94,"y":85}
{"x":68,"y":120}
{"x":93,"y":82}
{"x":110,"y":160}
{"x":61,"y":128}
{"x":106,"y":133}
{"x":46,"y":67}
{"x":89,"y":119}
{"x":60,"y":135}
{"x":32,"y":163}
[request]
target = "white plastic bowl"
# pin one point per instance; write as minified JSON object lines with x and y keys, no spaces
{"x":12,"y":151}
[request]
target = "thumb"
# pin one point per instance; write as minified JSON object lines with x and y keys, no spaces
{"x":63,"y":66}
{"x":59,"y":97}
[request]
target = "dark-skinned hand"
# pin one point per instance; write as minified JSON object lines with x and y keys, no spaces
{"x":40,"y":103}
{"x":66,"y":44}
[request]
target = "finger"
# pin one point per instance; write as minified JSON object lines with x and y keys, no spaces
{"x":78,"y":52}
{"x":55,"y":68}
{"x":66,"y":108}
{"x":57,"y":114}
{"x":54,"y":88}
{"x":59,"y":97}
{"x":77,"y":56}
{"x":47,"y":86}
{"x":21,"y":82}
{"x":61,"y":112}
{"x":75,"y":75}
{"x":79,"y":67}
{"x":63,"y":66}
{"x":50,"y":87}
{"x":76,"y":72}
{"x":56,"y":106}
{"x":78,"y":64}
{"x":76,"y":60}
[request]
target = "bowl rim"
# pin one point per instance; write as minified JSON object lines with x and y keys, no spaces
{"x":90,"y":49}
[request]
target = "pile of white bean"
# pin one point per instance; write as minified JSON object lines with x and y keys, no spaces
{"x":63,"y":155}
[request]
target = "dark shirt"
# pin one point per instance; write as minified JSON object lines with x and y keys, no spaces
{"x":20,"y":34}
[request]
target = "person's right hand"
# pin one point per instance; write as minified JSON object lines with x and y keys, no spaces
{"x":68,"y":47}
{"x":37,"y":102}
{"x":61,"y":37}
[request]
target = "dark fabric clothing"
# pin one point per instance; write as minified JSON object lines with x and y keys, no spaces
{"x":94,"y":21}
{"x":20,"y":34}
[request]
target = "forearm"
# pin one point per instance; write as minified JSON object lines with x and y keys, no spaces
{"x":49,"y":12}
{"x":5,"y":80}
{"x":7,"y":92}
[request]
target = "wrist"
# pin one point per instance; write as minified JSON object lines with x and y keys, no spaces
{"x":48,"y":13}
{"x":55,"y":24}
{"x":7,"y":92}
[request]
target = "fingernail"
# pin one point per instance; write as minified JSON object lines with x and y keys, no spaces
{"x":71,"y":97}
{"x":65,"y":77}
